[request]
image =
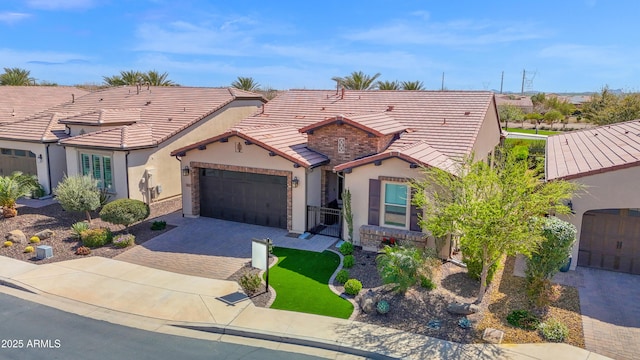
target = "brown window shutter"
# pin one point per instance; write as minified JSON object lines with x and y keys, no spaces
{"x":374,"y":202}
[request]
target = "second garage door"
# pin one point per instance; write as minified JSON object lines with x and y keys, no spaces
{"x":244,"y":197}
{"x":610,"y":240}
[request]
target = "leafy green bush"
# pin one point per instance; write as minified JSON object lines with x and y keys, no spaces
{"x":348,"y":261}
{"x":250,"y":282}
{"x":94,"y":238}
{"x":523,"y":319}
{"x":78,"y":193}
{"x":37,"y":192}
{"x":346,"y":248}
{"x":124,"y":241}
{"x":352,"y":286}
{"x":342,"y":276}
{"x":399,"y":265}
{"x":553,"y":330}
{"x":158,"y":225}
{"x":79,"y":227}
{"x":427,"y":283}
{"x":550,"y":255}
{"x":474,"y":267}
{"x":124,"y":212}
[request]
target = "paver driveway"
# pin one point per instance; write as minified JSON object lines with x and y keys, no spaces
{"x":210,"y":247}
{"x":610,"y":306}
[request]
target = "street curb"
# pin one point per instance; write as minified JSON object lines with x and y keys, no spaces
{"x":288,"y":339}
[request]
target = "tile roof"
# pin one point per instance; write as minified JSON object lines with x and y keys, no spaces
{"x":19,"y":102}
{"x":379,"y":124}
{"x":134,"y":136}
{"x":164,"y":110}
{"x":591,"y":151}
{"x":516,"y":100}
{"x":283,"y":140}
{"x":447,"y":121}
{"x":43,"y":127}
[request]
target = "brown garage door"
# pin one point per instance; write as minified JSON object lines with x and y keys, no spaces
{"x":244,"y":197}
{"x":17,"y":160}
{"x":610,"y":239}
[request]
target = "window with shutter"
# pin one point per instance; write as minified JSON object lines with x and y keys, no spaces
{"x":395,"y":204}
{"x":99,"y":167}
{"x":108,"y":178}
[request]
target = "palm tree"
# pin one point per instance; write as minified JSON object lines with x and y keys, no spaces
{"x":154,"y":78}
{"x":131,"y":77}
{"x":16,"y":77}
{"x":14,"y":187}
{"x":357,"y":81}
{"x":246,"y":83}
{"x":388,"y":85}
{"x":412,"y":85}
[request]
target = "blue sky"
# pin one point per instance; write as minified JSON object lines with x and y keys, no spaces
{"x":564,"y":45}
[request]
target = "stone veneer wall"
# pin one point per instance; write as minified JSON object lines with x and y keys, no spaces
{"x":371,"y":239}
{"x":195,"y":183}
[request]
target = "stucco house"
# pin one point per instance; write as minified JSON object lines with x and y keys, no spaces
{"x":605,"y":159}
{"x":523,"y":102}
{"x":287,"y":165}
{"x":24,"y":143}
{"x":122,"y":136}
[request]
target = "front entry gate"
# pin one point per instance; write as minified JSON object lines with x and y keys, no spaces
{"x":324,"y":221}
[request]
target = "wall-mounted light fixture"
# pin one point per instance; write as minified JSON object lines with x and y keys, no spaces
{"x":570,"y":206}
{"x":295,"y":182}
{"x":40,"y":157}
{"x":186,"y":171}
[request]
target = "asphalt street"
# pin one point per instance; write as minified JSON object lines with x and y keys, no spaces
{"x":33,"y":331}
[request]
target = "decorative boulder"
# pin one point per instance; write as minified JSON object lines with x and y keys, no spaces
{"x":367,"y":302}
{"x":16,"y":237}
{"x":462,"y":309}
{"x":44,"y":234}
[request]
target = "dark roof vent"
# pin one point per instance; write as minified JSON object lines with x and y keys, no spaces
{"x":390,"y":108}
{"x":467,"y":113}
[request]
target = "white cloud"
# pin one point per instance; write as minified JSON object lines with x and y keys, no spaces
{"x":61,"y":4}
{"x":456,"y":33}
{"x":12,"y":17}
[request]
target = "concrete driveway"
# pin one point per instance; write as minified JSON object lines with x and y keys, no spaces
{"x":610,"y":306}
{"x":211,"y":248}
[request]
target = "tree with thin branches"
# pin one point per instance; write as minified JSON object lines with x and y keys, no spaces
{"x":358,"y":80}
{"x":246,"y":84}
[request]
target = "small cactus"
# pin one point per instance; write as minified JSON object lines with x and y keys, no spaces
{"x":34,"y":240}
{"x":464,"y":323}
{"x":29,"y":249}
{"x":382,"y":307}
{"x":8,"y":243}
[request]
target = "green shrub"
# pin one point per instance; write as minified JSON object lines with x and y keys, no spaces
{"x":37,"y":192}
{"x":346,"y":248}
{"x":352,"y":286}
{"x":382,"y":307}
{"x":250,"y":282}
{"x":474,"y":268}
{"x":399,"y":265}
{"x":553,"y":330}
{"x":29,"y":249}
{"x":94,"y":238}
{"x":342,"y":276}
{"x":348,"y":261}
{"x":427,"y":283}
{"x":523,"y":319}
{"x":124,"y":241}
{"x":78,"y":228}
{"x":34,"y":240}
{"x":158,"y":225}
{"x":124,"y":212}
{"x":78,"y":193}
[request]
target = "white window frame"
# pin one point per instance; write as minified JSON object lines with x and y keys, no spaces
{"x":101,"y":181}
{"x":383,"y":207}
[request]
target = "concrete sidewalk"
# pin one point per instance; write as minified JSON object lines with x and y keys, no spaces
{"x":157,"y":300}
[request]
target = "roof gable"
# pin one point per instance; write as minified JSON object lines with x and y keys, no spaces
{"x":378,"y":124}
{"x":103,"y":117}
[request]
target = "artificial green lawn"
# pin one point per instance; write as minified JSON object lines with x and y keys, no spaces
{"x":301,"y":278}
{"x":532,"y":131}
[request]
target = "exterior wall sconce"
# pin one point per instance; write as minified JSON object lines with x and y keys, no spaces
{"x":295,"y":182}
{"x":570,"y":206}
{"x":186,"y":171}
{"x":40,"y":157}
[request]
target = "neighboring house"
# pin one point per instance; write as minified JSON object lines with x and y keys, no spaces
{"x":606,"y":160}
{"x":24,"y":144}
{"x":122,"y":136}
{"x":523,"y":102}
{"x":287,"y":165}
